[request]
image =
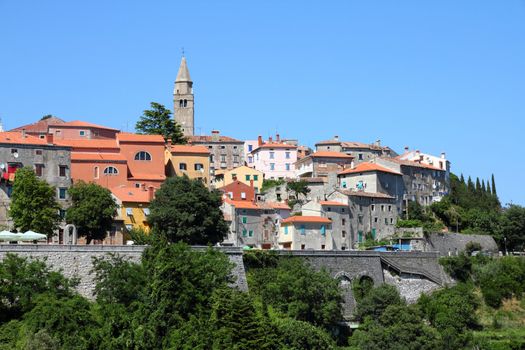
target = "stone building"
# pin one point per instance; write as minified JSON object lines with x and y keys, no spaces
{"x":183,"y":100}
{"x":362,"y":152}
{"x":306,"y":233}
{"x":225,"y":152}
{"x":322,"y":163}
{"x":50,"y":162}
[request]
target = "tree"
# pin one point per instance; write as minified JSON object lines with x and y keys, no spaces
{"x":513,"y":227}
{"x":158,"y":121}
{"x":377,"y":300}
{"x":493,"y":185}
{"x":22,"y":280}
{"x":33,"y":203}
{"x":300,"y":292}
{"x":92,"y":210}
{"x":185,"y":210}
{"x":298,"y":188}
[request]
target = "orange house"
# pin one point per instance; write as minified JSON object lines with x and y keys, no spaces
{"x":79,"y":130}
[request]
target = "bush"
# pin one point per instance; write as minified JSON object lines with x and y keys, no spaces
{"x":409,"y":223}
{"x":377,"y":300}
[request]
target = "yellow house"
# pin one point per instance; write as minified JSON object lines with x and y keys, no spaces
{"x":243,"y":174}
{"x":194,"y":161}
{"x":133,"y":206}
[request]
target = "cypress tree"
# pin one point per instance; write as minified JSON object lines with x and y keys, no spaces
{"x":470,"y":186}
{"x":489,"y":191}
{"x":483,"y":188}
{"x":462,"y":179}
{"x":493,"y":185}
{"x":478,"y":186}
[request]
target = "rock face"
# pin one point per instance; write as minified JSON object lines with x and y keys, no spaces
{"x":453,"y":243}
{"x":415,"y":272}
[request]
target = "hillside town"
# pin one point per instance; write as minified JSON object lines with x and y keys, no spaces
{"x":277,"y":193}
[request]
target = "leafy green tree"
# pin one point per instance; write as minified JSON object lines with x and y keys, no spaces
{"x":513,"y":228}
{"x":185,"y":210}
{"x":299,"y":335}
{"x":298,"y":188}
{"x":33,"y":203}
{"x":398,"y":327}
{"x":375,"y":302}
{"x":22,"y":280}
{"x":118,"y":280}
{"x":452,"y":311}
{"x":269,"y":183}
{"x":295,"y":289}
{"x":92,"y":210}
{"x":158,"y":121}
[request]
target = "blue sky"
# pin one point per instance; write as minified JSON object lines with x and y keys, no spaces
{"x":437,"y":76}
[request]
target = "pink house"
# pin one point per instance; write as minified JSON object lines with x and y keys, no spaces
{"x":275,"y":159}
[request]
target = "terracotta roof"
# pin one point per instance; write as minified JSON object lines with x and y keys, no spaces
{"x":153,"y":177}
{"x":40,"y":126}
{"x":100,"y":157}
{"x":412,"y":163}
{"x":278,"y":205}
{"x":242,"y":204}
{"x":92,"y":143}
{"x":209,"y":139}
{"x":274,"y":145}
{"x":131,"y":194}
{"x":329,"y":154}
{"x":131,"y":137}
{"x":367,"y":167}
{"x":81,"y":124}
{"x":13,"y":137}
{"x":306,"y":219}
{"x":366,"y":194}
{"x":189,"y":149}
{"x":333,"y":203}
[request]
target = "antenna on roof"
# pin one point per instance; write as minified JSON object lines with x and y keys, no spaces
{"x":1,"y":126}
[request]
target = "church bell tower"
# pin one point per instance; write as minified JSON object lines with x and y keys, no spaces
{"x":183,"y":100}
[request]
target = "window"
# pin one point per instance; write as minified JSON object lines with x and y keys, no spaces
{"x":14,"y":150}
{"x":343,"y":234}
{"x":360,"y":156}
{"x":250,"y":148}
{"x":389,"y":208}
{"x":286,"y":230}
{"x":180,"y":102}
{"x":234,"y":176}
{"x":255,"y":177}
{"x":38,"y":152}
{"x":386,"y":221}
{"x":272,"y":155}
{"x":62,"y":170}
{"x":137,"y":185}
{"x":343,"y":221}
{"x":323,"y":230}
{"x":250,"y":159}
{"x":344,"y":184}
{"x":375,"y":219}
{"x":129,"y":211}
{"x":303,"y":246}
{"x":244,"y":232}
{"x":287,"y":166}
{"x":142,"y":155}
{"x":146,"y":211}
{"x":382,"y":207}
{"x":287,"y":155}
{"x":39,"y":169}
{"x":110,"y":170}
{"x":223,"y":157}
{"x":198,"y":166}
{"x":360,"y":236}
{"x":342,"y":210}
{"x":391,"y":220}
{"x":62,"y":213}
{"x":243,"y":195}
{"x":373,"y":207}
{"x":182,"y":166}
{"x":302,"y":229}
{"x":244,"y":219}
{"x":247,"y":177}
{"x":322,"y":246}
{"x":360,"y":218}
{"x":223,"y":147}
{"x":329,"y":209}
{"x":185,"y":103}
{"x":250,"y":233}
{"x":82,"y":133}
{"x":62,"y":192}
{"x":96,"y":172}
{"x":211,"y":158}
{"x":272,"y":166}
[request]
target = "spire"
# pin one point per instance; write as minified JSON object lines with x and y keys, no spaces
{"x":184,"y":74}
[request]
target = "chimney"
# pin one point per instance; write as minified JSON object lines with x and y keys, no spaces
{"x":50,"y":139}
{"x":168,"y":143}
{"x":259,"y":140}
{"x":251,"y":183}
{"x":270,"y":140}
{"x":336,"y":138}
{"x":151,"y":193}
{"x":24,"y":133}
{"x":144,"y":186}
{"x":406,"y":149}
{"x":277,"y":138}
{"x":443,"y":155}
{"x":215,"y":135}
{"x":378,"y":143}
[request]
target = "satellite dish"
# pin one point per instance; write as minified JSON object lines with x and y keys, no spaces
{"x":15,"y":154}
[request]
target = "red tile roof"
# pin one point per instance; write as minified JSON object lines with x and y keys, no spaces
{"x":189,"y":149}
{"x":277,"y":205}
{"x":333,"y":203}
{"x":367,"y":167}
{"x":81,"y":124}
{"x":330,"y":154}
{"x":131,"y":194}
{"x":210,"y":139}
{"x":243,"y":204}
{"x":307,"y":219}
{"x":130,"y":137}
{"x":152,"y":177}
{"x":366,"y":194}
{"x":98,"y":157}
{"x":275,"y":145}
{"x":92,"y":143}
{"x":13,"y":137}
{"x":40,"y":126}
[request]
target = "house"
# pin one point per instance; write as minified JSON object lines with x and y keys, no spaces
{"x":321,"y":163}
{"x":225,"y":152}
{"x":80,"y":130}
{"x":362,"y":152}
{"x":275,"y":159}
{"x":243,"y":174}
{"x":40,"y":128}
{"x":51,"y":163}
{"x":306,"y":233}
{"x":192,"y":161}
{"x":133,"y":209}
{"x":246,"y":225}
{"x":239,"y":191}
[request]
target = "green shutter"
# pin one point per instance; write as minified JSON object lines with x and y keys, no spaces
{"x":244,"y":219}
{"x":244,"y":233}
{"x":255,"y":177}
{"x":247,"y":177}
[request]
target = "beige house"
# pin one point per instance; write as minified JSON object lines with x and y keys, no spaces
{"x":243,"y":174}
{"x":193,"y":161}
